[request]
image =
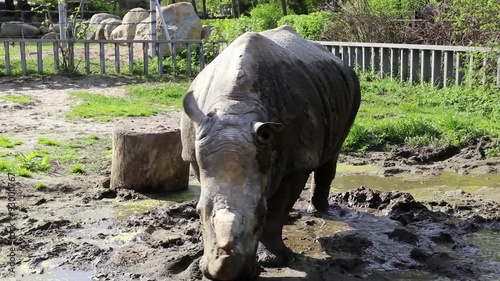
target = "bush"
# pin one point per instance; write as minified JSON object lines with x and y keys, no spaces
{"x":312,"y":26}
{"x":268,"y":14}
{"x":230,"y":29}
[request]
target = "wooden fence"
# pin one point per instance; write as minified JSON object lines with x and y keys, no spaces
{"x":441,"y":65}
{"x":106,"y":55}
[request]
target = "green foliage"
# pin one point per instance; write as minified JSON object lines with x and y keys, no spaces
{"x":33,"y":162}
{"x":268,"y":13}
{"x":7,"y":143}
{"x":17,"y":98}
{"x":474,"y":21}
{"x":230,"y":29}
{"x":311,"y":26}
{"x":48,"y":142}
{"x":397,"y":9}
{"x":40,"y":186}
{"x":78,"y":169}
{"x":139,"y":101}
{"x":394,"y":113}
{"x":102,"y":108}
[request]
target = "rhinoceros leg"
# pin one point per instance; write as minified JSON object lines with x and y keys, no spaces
{"x":323,"y":177}
{"x":272,"y":252}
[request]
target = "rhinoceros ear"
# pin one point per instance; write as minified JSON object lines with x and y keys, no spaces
{"x":268,"y":132}
{"x":191,"y":108}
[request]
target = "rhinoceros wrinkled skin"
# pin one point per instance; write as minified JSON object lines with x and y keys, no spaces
{"x":267,"y":112}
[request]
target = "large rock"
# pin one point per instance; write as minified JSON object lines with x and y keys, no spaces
{"x":206,"y":31}
{"x":95,"y":20}
{"x":147,"y":156}
{"x":17,"y":29}
{"x":118,"y":33}
{"x":104,"y":29}
{"x":130,"y":21}
{"x":182,"y":24}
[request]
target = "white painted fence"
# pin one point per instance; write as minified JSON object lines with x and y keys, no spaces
{"x":441,"y":65}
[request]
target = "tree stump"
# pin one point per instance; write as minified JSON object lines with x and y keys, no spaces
{"x":147,"y":157}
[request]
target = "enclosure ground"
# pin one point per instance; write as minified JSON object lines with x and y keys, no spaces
{"x":70,"y":226}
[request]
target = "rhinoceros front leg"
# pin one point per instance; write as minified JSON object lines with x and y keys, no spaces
{"x":323,"y":177}
{"x":272,"y":252}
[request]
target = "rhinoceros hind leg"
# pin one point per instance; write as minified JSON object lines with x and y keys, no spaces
{"x":272,"y":252}
{"x":323,"y":177}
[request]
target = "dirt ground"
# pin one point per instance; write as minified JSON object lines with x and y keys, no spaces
{"x":78,"y":229}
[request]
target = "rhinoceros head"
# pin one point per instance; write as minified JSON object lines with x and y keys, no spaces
{"x":233,"y":161}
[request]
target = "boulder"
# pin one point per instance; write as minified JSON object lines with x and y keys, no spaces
{"x":118,"y":33}
{"x":110,"y":26}
{"x":182,"y":24}
{"x":17,"y":29}
{"x":94,"y":22}
{"x":106,"y":25}
{"x":147,"y":156}
{"x":51,"y":35}
{"x":44,"y":30}
{"x":206,"y":31}
{"x":130,"y":21}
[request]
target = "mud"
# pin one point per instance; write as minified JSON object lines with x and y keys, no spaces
{"x":406,"y":214}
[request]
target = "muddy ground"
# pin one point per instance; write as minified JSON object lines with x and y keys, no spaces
{"x":78,"y":229}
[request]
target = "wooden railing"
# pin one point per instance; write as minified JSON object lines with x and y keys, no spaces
{"x":441,"y":65}
{"x":108,"y":55}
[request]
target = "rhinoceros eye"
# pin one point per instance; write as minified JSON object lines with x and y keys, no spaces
{"x":266,"y":132}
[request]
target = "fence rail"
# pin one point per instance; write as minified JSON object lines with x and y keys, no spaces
{"x":443,"y":66}
{"x":440,"y":65}
{"x":106,"y":54}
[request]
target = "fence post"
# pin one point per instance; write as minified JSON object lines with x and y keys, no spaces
{"x":394,"y":63}
{"x":426,"y":61}
{"x":404,"y":65}
{"x":414,"y":65}
{"x":436,"y":68}
{"x":7,"y":58}
{"x":448,"y":68}
{"x":152,"y":29}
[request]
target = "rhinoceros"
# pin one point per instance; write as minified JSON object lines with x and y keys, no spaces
{"x":268,"y":111}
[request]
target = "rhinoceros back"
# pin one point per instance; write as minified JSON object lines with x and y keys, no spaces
{"x":286,"y":79}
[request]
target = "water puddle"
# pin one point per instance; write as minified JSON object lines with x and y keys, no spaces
{"x":488,"y":243}
{"x":48,"y":271}
{"x":422,"y":187}
{"x":122,"y":210}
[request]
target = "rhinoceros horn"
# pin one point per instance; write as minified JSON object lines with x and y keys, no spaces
{"x":191,"y":108}
{"x":227,"y":226}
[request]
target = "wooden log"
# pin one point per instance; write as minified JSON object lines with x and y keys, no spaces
{"x":147,"y":157}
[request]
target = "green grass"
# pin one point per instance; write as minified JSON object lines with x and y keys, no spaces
{"x":17,"y":98}
{"x":48,"y":142}
{"x":139,"y":101}
{"x":394,"y":113}
{"x":40,"y":186}
{"x":84,"y":142}
{"x":7,"y":143}
{"x":78,"y":169}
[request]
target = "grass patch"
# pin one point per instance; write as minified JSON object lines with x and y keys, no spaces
{"x":48,"y":142}
{"x":7,"y":143}
{"x":394,"y":113}
{"x":7,"y":166}
{"x":102,"y":108}
{"x":78,"y":169}
{"x":40,"y":186}
{"x":139,"y":101}
{"x":168,"y":94}
{"x":84,"y":142}
{"x":17,"y":99}
{"x":33,"y":162}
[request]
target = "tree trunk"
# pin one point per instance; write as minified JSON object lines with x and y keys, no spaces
{"x":283,"y":6}
{"x":147,"y":157}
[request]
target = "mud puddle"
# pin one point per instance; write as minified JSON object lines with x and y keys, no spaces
{"x":367,"y":234}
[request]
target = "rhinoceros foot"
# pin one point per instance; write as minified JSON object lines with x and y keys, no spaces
{"x":274,"y":254}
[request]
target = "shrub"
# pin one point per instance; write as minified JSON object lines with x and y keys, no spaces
{"x":312,"y":26}
{"x":230,"y":29}
{"x":268,"y":13}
